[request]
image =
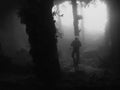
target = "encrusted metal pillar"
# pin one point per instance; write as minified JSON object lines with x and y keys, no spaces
{"x":37,"y":16}
{"x":76,"y":18}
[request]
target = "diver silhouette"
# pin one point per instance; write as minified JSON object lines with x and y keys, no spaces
{"x":76,"y":44}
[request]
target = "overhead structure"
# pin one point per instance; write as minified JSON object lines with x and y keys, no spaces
{"x":76,"y":16}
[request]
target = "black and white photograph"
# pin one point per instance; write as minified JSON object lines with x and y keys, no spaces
{"x":59,"y":44}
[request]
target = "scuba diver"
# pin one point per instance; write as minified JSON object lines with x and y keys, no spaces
{"x":76,"y":44}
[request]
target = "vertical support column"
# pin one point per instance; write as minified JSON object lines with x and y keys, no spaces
{"x":42,"y":38}
{"x":76,"y":18}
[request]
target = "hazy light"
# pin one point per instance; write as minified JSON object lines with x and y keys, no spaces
{"x":94,"y":18}
{"x":66,"y":10}
{"x":64,"y":19}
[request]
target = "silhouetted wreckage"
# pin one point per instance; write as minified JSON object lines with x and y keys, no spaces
{"x":37,"y":17}
{"x":113,"y":61}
